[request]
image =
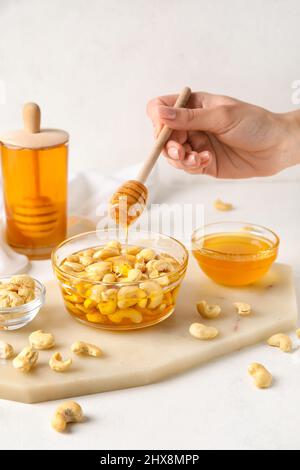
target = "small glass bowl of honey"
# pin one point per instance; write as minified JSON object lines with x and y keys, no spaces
{"x":234,"y":253}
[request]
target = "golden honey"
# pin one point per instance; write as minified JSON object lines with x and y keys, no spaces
{"x":235,"y":258}
{"x":35,"y":197}
{"x":117,"y":286}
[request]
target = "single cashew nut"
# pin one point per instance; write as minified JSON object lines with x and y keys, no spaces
{"x":162,"y":266}
{"x":134,"y":315}
{"x":85,"y":260}
{"x":67,"y":412}
{"x":76,"y":267}
{"x":109,"y":278}
{"x":132,"y":250}
{"x":129,"y":296}
{"x":145,"y":255}
{"x":26,"y":359}
{"x":105,"y":253}
{"x":154,"y":293}
{"x":134,"y":275}
{"x":208,"y":311}
{"x":95,"y":293}
{"x":26,"y":293}
{"x":57,"y":364}
{"x":101,"y":268}
{"x":223,"y":206}
{"x":41,"y":340}
{"x":114,"y":244}
{"x":6,"y":350}
{"x":86,"y":349}
{"x":262,"y":377}
{"x":298,"y":333}
{"x":281,"y":341}
{"x":243,"y":309}
{"x":203,"y":332}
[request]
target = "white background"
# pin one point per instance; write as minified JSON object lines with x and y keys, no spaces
{"x":93,"y":65}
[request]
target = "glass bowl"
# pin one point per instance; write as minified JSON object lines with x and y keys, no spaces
{"x":234,"y":253}
{"x":13,"y":318}
{"x":76,"y":290}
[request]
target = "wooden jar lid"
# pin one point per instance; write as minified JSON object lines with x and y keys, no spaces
{"x":32,"y":136}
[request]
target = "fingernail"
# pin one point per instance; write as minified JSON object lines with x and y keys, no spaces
{"x":173,"y":153}
{"x":205,"y":157}
{"x":166,"y":113}
{"x":191,"y":160}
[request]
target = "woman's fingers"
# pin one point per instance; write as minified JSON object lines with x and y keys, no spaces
{"x":175,"y":150}
{"x":193,"y":162}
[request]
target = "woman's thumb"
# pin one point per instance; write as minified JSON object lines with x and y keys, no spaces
{"x":198,"y":119}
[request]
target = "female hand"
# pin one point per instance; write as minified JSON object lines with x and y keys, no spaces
{"x":226,"y":138}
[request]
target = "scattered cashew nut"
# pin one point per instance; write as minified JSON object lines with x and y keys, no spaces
{"x":281,"y":341}
{"x":86,"y":349}
{"x":262,"y":377}
{"x":6,"y":350}
{"x":203,"y":332}
{"x":57,"y":364}
{"x":67,"y":412}
{"x":223,"y":206}
{"x":298,"y":333}
{"x":243,"y":309}
{"x":208,"y":311}
{"x":41,"y":340}
{"x":26,"y":359}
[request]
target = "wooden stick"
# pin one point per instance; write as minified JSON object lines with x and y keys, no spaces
{"x":162,"y":139}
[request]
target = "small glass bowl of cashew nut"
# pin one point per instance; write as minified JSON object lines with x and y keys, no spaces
{"x":21,"y":298}
{"x":109,"y":284}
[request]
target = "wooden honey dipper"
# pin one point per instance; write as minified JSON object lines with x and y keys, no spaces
{"x":37,"y":216}
{"x":130,"y":199}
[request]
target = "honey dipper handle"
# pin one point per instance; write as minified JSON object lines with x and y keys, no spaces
{"x":32,"y":118}
{"x":162,"y":138}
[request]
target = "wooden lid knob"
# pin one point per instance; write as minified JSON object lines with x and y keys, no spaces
{"x":32,"y":118}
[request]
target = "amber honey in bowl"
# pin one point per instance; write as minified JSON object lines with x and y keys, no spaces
{"x":233,"y":253}
{"x":110,"y":284}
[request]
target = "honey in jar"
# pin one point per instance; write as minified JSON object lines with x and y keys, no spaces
{"x":34,"y":168}
{"x":236,"y":258}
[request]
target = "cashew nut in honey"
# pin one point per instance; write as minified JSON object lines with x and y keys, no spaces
{"x":6,"y":350}
{"x":41,"y":340}
{"x":138,"y":284}
{"x":199,"y":331}
{"x":67,"y":412}
{"x":208,"y":311}
{"x":145,"y":255}
{"x":262,"y":377}
{"x":86,"y":349}
{"x":57,"y":364}
{"x":26,"y":359}
{"x":242,"y":308}
{"x":281,"y":341}
{"x":134,"y":315}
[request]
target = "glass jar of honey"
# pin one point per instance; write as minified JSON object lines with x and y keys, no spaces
{"x":34,"y":168}
{"x":234,"y":253}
